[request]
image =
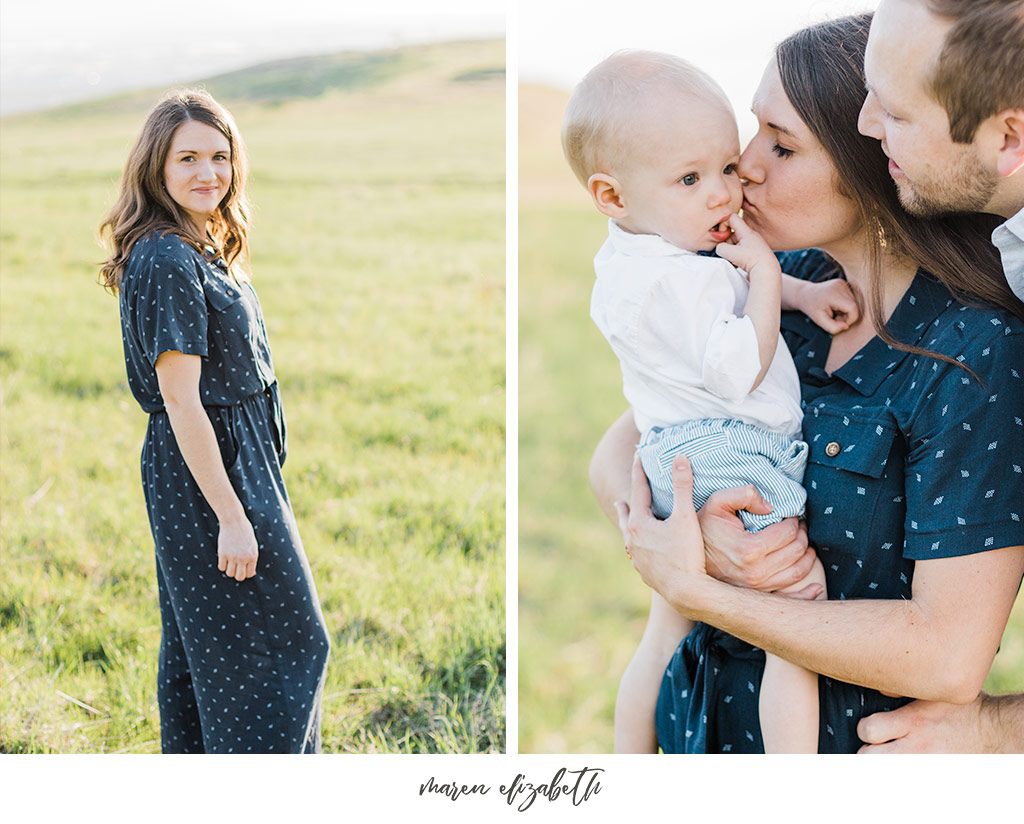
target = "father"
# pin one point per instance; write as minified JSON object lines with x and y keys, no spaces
{"x":945,"y":83}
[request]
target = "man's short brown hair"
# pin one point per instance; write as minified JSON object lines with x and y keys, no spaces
{"x":980,"y":69}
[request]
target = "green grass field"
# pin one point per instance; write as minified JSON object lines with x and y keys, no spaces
{"x":581,"y":606}
{"x":378,"y":253}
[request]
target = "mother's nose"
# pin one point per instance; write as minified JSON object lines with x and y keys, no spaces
{"x":750,"y":169}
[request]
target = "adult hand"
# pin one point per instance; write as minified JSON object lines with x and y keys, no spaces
{"x":237,"y":550}
{"x":669,"y":554}
{"x":774,"y":558}
{"x":924,"y":726}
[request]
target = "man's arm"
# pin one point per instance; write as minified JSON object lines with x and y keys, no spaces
{"x":939,"y":645}
{"x":989,"y":724}
{"x":611,"y":462}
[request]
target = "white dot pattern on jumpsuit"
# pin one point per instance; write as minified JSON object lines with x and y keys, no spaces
{"x":242,"y":664}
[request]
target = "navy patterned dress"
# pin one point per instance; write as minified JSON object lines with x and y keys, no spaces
{"x":242,"y":663}
{"x":910,"y":458}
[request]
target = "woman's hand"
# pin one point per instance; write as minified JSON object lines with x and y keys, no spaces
{"x":669,"y":554}
{"x":178,"y":375}
{"x":237,"y":550}
{"x":772,"y":559}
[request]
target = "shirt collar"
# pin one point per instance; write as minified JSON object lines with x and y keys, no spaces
{"x":628,"y":243}
{"x":919,"y":310}
{"x":1009,"y":239}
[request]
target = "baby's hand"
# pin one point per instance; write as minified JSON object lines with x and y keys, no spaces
{"x":830,"y":303}
{"x":746,"y":249}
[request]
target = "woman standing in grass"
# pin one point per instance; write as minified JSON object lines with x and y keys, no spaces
{"x":244,"y":647}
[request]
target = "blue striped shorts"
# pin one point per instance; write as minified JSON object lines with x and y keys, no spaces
{"x":723,"y":454}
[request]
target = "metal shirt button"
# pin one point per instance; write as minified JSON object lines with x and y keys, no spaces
{"x":832,"y":449}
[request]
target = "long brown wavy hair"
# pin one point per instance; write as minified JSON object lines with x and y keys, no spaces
{"x":822,"y":69}
{"x":144,"y":206}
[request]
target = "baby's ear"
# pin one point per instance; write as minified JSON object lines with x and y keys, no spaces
{"x":604,"y":189}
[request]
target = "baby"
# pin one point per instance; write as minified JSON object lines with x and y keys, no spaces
{"x":655,"y":142}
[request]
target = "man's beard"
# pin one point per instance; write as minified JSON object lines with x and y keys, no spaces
{"x":968,"y":187}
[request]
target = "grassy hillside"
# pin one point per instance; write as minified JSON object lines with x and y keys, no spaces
{"x":378,"y":254}
{"x":581,"y":606}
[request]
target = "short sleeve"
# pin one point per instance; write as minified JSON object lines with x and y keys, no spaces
{"x":170,"y":311}
{"x":964,"y":472}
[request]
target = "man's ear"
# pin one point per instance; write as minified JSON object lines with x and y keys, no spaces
{"x":1011,"y":149}
{"x":604,"y":189}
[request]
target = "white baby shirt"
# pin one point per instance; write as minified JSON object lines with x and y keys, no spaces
{"x":675,"y":320}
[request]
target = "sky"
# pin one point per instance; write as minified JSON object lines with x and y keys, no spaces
{"x":61,"y":51}
{"x":732,"y":40}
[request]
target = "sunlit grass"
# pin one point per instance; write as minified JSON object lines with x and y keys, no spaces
{"x":378,"y":255}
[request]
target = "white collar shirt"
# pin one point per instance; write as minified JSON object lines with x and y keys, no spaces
{"x":675,"y":320}
{"x":1009,"y":239}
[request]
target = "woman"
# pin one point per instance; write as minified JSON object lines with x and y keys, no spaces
{"x":912,"y":418}
{"x":243,"y":648}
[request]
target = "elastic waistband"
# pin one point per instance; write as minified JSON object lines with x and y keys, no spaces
{"x":271,"y":392}
{"x":701,"y":427}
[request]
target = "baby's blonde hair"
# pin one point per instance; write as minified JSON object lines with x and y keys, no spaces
{"x":598,"y":128}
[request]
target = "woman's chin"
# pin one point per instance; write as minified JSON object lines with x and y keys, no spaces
{"x":752,"y":220}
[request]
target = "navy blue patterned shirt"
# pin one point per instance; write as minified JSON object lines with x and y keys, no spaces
{"x":910,"y":458}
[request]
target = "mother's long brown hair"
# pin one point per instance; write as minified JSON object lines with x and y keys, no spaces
{"x":143,"y":204}
{"x":822,"y":70}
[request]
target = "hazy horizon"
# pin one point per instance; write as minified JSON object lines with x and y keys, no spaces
{"x":559,"y":42}
{"x":61,"y":52}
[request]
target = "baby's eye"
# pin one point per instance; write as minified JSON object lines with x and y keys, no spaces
{"x":730,"y":169}
{"x":780,"y":151}
{"x":688,"y":180}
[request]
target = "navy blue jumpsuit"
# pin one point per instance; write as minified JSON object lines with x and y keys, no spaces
{"x":242,"y":663}
{"x":910,"y":458}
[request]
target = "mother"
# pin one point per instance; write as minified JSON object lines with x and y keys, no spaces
{"x":913,"y":418}
{"x":243,"y":648}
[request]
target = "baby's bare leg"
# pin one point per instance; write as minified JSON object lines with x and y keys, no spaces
{"x":788,"y":701}
{"x":637,"y":700}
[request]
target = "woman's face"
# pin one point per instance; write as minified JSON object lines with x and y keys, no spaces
{"x":789,"y":189}
{"x":197,"y":171}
